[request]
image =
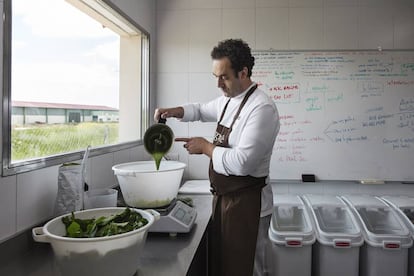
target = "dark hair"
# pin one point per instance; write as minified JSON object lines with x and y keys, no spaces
{"x":238,"y":52}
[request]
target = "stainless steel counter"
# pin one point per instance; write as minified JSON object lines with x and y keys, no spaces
{"x":162,"y":254}
{"x":165,"y":255}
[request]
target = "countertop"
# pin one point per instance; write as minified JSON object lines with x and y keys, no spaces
{"x":162,"y":255}
{"x":166,"y":255}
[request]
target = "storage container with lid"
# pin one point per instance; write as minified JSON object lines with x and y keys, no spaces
{"x":292,"y":237}
{"x":404,"y":207}
{"x":338,"y":235}
{"x":387,"y":239}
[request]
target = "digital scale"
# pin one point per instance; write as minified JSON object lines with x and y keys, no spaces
{"x":178,"y":217}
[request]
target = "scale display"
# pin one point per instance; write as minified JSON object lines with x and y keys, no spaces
{"x":179,"y":219}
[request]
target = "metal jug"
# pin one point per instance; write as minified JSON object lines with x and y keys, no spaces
{"x":158,"y":140}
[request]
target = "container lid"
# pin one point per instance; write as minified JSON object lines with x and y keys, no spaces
{"x":287,"y":199}
{"x":381,"y":226}
{"x":334,"y":223}
{"x":290,"y":223}
{"x":400,"y":201}
{"x":323,"y":200}
{"x":364,"y":200}
{"x":404,"y":206}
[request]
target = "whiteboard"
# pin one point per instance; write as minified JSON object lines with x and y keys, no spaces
{"x":346,"y":115}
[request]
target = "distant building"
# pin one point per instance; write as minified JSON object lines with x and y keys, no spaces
{"x":57,"y":113}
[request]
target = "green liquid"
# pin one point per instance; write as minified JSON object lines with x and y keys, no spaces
{"x":157,"y":158}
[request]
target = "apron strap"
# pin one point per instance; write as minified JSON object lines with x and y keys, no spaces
{"x":246,"y":97}
{"x":250,"y":92}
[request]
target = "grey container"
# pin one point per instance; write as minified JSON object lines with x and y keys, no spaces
{"x":387,"y":239}
{"x":338,"y":236}
{"x":404,"y":207}
{"x":292,"y":237}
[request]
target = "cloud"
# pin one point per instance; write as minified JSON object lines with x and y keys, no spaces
{"x":66,"y":83}
{"x":60,"y":20}
{"x":105,"y":51}
{"x":93,"y":78}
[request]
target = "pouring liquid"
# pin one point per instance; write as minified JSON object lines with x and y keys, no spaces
{"x":157,"y":156}
{"x":157,"y":141}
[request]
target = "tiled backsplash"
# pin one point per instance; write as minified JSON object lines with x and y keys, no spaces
{"x":28,"y":198}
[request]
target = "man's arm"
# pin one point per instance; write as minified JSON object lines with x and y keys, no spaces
{"x":164,"y":113}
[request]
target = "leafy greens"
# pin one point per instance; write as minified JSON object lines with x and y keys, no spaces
{"x":124,"y":222}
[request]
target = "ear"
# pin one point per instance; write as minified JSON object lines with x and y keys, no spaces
{"x":243,"y":73}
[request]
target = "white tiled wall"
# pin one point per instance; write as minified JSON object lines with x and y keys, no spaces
{"x":8,"y":206}
{"x":233,"y":19}
{"x":341,"y":27}
{"x":375,"y":28}
{"x":272,"y":28}
{"x":204,"y":32}
{"x":36,"y":192}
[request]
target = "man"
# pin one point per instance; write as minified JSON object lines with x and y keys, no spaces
{"x":248,"y":123}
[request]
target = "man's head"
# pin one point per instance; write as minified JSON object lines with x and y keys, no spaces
{"x":238,"y":52}
{"x":232,"y":65}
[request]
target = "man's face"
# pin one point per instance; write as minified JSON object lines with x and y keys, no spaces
{"x":226,"y":79}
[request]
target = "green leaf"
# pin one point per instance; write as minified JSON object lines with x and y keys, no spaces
{"x":74,"y":230}
{"x":124,"y":222}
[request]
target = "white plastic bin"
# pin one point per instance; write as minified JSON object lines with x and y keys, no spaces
{"x":338,"y":236}
{"x":387,"y":239}
{"x":404,"y":207}
{"x":292,"y":237}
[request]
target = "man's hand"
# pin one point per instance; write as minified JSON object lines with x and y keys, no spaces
{"x":177,"y":112}
{"x":197,"y":145}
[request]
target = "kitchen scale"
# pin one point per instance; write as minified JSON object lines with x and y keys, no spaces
{"x":177,"y":217}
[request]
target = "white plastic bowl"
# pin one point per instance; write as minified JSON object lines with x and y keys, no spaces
{"x":143,"y":186}
{"x":112,"y":255}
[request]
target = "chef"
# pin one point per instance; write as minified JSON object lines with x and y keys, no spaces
{"x":247,"y":126}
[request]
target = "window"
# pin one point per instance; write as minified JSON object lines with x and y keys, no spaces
{"x":76,"y":73}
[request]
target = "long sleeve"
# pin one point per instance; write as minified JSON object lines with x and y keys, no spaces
{"x":251,"y":142}
{"x":202,"y":112}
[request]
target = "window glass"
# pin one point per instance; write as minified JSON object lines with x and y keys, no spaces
{"x":77,"y":73}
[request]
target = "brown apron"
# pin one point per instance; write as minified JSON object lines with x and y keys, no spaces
{"x":236,"y":212}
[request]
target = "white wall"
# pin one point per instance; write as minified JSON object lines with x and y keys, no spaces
{"x":188,"y":29}
{"x":27,"y":199}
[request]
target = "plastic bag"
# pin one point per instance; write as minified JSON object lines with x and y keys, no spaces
{"x":71,"y":186}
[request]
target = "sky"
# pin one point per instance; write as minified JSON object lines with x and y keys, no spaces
{"x":61,"y":55}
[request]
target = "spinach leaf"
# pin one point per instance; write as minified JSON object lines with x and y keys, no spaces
{"x":124,"y":222}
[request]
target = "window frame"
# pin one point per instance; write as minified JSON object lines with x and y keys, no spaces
{"x":24,"y":166}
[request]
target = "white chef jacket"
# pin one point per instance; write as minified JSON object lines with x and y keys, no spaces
{"x":251,"y":140}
